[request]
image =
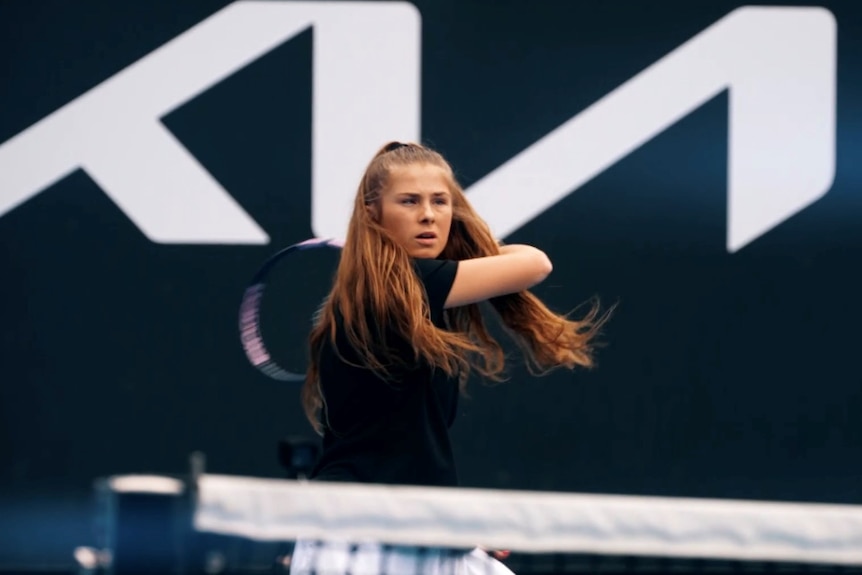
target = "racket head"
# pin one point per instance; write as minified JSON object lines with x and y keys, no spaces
{"x":249,"y":311}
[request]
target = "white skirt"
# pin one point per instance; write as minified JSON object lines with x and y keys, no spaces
{"x":339,"y":558}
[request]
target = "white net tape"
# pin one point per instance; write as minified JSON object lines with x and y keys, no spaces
{"x":529,"y":522}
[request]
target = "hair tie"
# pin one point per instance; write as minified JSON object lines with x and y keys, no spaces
{"x":394,"y":146}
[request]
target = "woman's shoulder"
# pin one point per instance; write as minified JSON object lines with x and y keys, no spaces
{"x":437,"y":276}
{"x":429,"y":269}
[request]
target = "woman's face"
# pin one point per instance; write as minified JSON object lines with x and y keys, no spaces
{"x":416,"y":208}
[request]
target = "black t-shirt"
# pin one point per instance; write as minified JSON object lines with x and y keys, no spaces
{"x":394,"y":431}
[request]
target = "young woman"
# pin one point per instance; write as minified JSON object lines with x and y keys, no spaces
{"x":401,"y":331}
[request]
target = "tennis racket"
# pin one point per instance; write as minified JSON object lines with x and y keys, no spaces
{"x":249,"y":311}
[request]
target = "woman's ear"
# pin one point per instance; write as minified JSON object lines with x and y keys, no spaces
{"x":373,"y":210}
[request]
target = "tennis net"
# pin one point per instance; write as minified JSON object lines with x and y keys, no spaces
{"x":340,"y":528}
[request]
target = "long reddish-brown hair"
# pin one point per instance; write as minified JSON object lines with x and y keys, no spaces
{"x":376,"y":281}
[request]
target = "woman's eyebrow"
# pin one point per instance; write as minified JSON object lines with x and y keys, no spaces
{"x":439,"y":193}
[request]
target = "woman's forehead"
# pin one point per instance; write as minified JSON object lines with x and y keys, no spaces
{"x":418,"y":178}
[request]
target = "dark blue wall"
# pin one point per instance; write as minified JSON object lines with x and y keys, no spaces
{"x":724,"y":374}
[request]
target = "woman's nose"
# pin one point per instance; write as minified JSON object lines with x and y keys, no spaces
{"x":427,"y":212}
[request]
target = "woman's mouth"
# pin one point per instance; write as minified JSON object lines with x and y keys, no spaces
{"x":426,"y":238}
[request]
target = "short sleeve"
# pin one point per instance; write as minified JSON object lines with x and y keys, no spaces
{"x":438,"y":277}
